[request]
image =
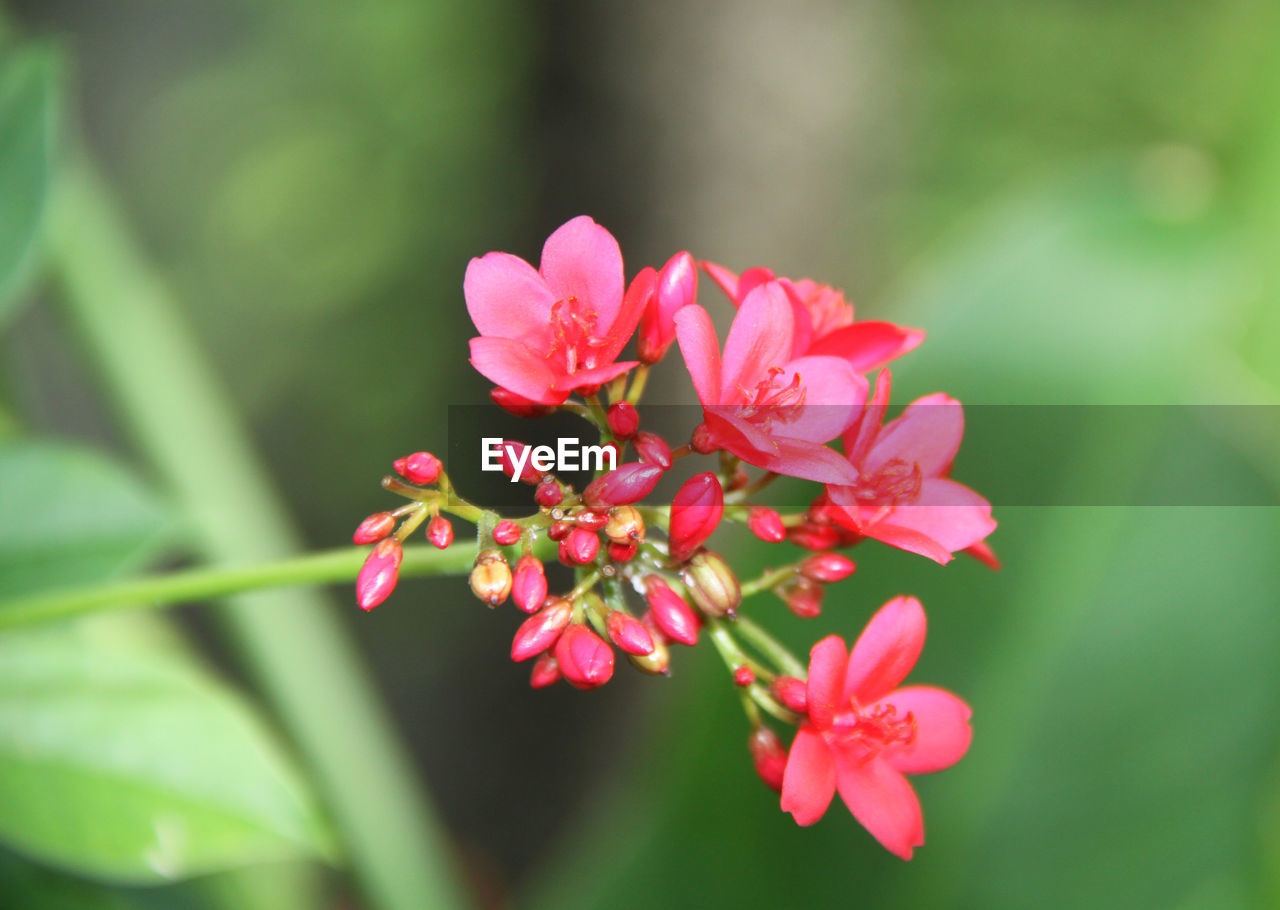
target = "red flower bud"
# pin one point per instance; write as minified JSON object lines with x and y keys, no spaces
{"x":803,"y":597}
{"x":580,"y":547}
{"x":585,"y":660}
{"x":743,"y":676}
{"x":628,"y":633}
{"x":548,"y":494}
{"x":677,"y":286}
{"x":421,"y":468}
{"x":546,"y":672}
{"x":491,"y":577}
{"x":540,"y":631}
{"x":559,"y":530}
{"x":670,"y":613}
{"x":518,"y":405}
{"x":375,"y":527}
{"x":378,"y":575}
{"x":509,"y":452}
{"x":766,"y":524}
{"x":590,"y":519}
{"x":768,"y":756}
{"x":625,"y":526}
{"x":623,"y":419}
{"x":529,"y":584}
{"x":813,"y":537}
{"x":703,"y":441}
{"x":711,"y":584}
{"x":792,"y":692}
{"x":657,"y":661}
{"x":695,"y":511}
{"x":653,"y":449}
{"x":622,"y":552}
{"x":827,"y":567}
{"x":440,"y":531}
{"x":506,"y":532}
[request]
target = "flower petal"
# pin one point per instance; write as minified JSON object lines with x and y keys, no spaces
{"x":927,"y":434}
{"x":759,"y":339}
{"x":701,"y":351}
{"x":886,"y":650}
{"x":949,"y":513}
{"x":594,"y":377}
{"x":809,"y":781}
{"x":828,"y":660}
{"x":833,"y":397}
{"x":869,"y":345}
{"x":727,"y":279}
{"x":513,"y":366}
{"x":581,"y":259}
{"x":789,"y":457}
{"x":883,"y":801}
{"x":942,"y":729}
{"x":859,"y":437}
{"x":507,"y":298}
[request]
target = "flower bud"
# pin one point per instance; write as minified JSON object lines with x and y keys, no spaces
{"x":506,"y":532}
{"x":653,"y":449}
{"x":546,"y":672}
{"x":766,"y":524}
{"x":743,"y":676}
{"x":703,"y":441}
{"x":670,"y":613}
{"x":529,"y":584}
{"x":548,"y":494}
{"x":657,"y":661}
{"x":711,"y":584}
{"x":540,"y":631}
{"x":625,"y":525}
{"x":375,"y":527}
{"x":827,"y":567}
{"x":803,"y":597}
{"x":421,"y":468}
{"x":518,"y":405}
{"x":626,"y":484}
{"x":559,"y":530}
{"x":579,"y":547}
{"x":622,"y":552}
{"x":585,"y":660}
{"x":677,"y":286}
{"x":768,"y":756}
{"x":591,"y":519}
{"x":792,"y":692}
{"x":378,"y":575}
{"x":440,"y":531}
{"x":628,"y":633}
{"x":623,"y":419}
{"x":695,"y":511}
{"x":813,"y":537}
{"x":509,"y":453}
{"x":491,"y":577}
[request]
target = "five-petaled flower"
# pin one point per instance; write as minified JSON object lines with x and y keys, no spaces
{"x":864,"y":735}
{"x":762,"y":403}
{"x":547,"y":332}
{"x":903,"y":495}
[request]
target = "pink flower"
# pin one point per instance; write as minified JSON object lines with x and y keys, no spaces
{"x":903,"y":495}
{"x":864,"y":735}
{"x":546,"y":332}
{"x":760,"y":401}
{"x":824,"y":320}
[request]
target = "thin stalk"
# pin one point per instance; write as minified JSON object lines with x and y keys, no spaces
{"x":770,"y":647}
{"x":768,"y":580}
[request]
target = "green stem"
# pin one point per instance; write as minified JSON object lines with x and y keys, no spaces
{"x":770,"y":647}
{"x":292,"y":642}
{"x":768,"y":580}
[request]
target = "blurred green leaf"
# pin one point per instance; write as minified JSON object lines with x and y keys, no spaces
{"x":29,"y":107}
{"x":28,"y":887}
{"x":138,"y":767}
{"x":69,"y":515}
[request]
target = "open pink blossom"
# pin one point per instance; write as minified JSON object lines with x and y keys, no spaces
{"x":824,"y":319}
{"x":864,"y":734}
{"x":761,"y":402}
{"x":903,"y":495}
{"x":546,"y":332}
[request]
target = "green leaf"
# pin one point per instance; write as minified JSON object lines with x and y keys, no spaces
{"x":29,"y":114}
{"x":136,"y":766}
{"x":69,"y":515}
{"x":24,"y":885}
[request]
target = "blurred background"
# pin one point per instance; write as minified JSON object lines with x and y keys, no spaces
{"x":1080,"y":202}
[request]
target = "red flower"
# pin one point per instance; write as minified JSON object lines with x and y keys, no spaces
{"x":903,"y":495}
{"x":761,"y":402}
{"x":824,"y":319}
{"x":546,"y":332}
{"x":864,"y":735}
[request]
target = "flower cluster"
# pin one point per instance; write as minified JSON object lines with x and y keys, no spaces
{"x":791,"y":378}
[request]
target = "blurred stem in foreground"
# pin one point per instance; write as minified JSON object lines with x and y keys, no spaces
{"x":291,"y":641}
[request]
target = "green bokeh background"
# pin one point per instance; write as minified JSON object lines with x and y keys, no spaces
{"x":1079,"y":201}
